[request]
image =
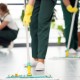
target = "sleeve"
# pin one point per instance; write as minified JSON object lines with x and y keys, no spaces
{"x":8,"y":18}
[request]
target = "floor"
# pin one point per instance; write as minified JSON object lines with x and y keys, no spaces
{"x":56,"y":66}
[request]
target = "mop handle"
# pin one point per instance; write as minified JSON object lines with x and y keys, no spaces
{"x":28,"y":55}
{"x":72,"y":24}
{"x":27,"y":45}
{"x":27,"y":38}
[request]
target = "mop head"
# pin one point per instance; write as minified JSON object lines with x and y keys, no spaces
{"x":32,"y":77}
{"x":73,"y":57}
{"x":47,"y":77}
{"x":68,"y":55}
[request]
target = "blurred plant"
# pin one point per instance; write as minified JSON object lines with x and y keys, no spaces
{"x":59,"y":27}
{"x":61,"y":30}
{"x":22,"y":15}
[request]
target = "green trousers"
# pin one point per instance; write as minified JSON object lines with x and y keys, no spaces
{"x":40,"y":27}
{"x":68,"y":18}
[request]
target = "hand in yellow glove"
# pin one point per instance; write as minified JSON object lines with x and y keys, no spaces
{"x":72,"y":9}
{"x":69,"y":8}
{"x":26,"y":20}
{"x":28,"y":14}
{"x":75,"y":9}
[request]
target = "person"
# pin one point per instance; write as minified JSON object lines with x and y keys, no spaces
{"x":68,"y":8}
{"x":40,"y":14}
{"x":8,"y":28}
{"x":29,"y":10}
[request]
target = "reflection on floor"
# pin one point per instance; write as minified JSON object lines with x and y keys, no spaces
{"x":59,"y":68}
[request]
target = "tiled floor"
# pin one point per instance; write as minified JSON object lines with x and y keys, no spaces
{"x":59,"y":68}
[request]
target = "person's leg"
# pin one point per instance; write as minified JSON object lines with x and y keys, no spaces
{"x":9,"y":34}
{"x":75,"y":36}
{"x":44,"y":19}
{"x":6,"y":37}
{"x":34,"y":29}
{"x":4,"y":43}
{"x":68,"y":19}
{"x":75,"y":27}
{"x":79,"y":39}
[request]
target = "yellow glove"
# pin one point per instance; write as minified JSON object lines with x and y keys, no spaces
{"x":75,"y":9}
{"x":26,"y":20}
{"x":28,"y":14}
{"x":72,"y":9}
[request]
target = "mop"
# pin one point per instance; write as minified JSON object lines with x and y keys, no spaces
{"x":29,"y":67}
{"x":70,"y":34}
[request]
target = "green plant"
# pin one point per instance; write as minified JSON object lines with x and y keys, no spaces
{"x":60,"y":30}
{"x":22,"y":15}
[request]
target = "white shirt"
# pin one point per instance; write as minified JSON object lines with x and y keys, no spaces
{"x":11,"y":23}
